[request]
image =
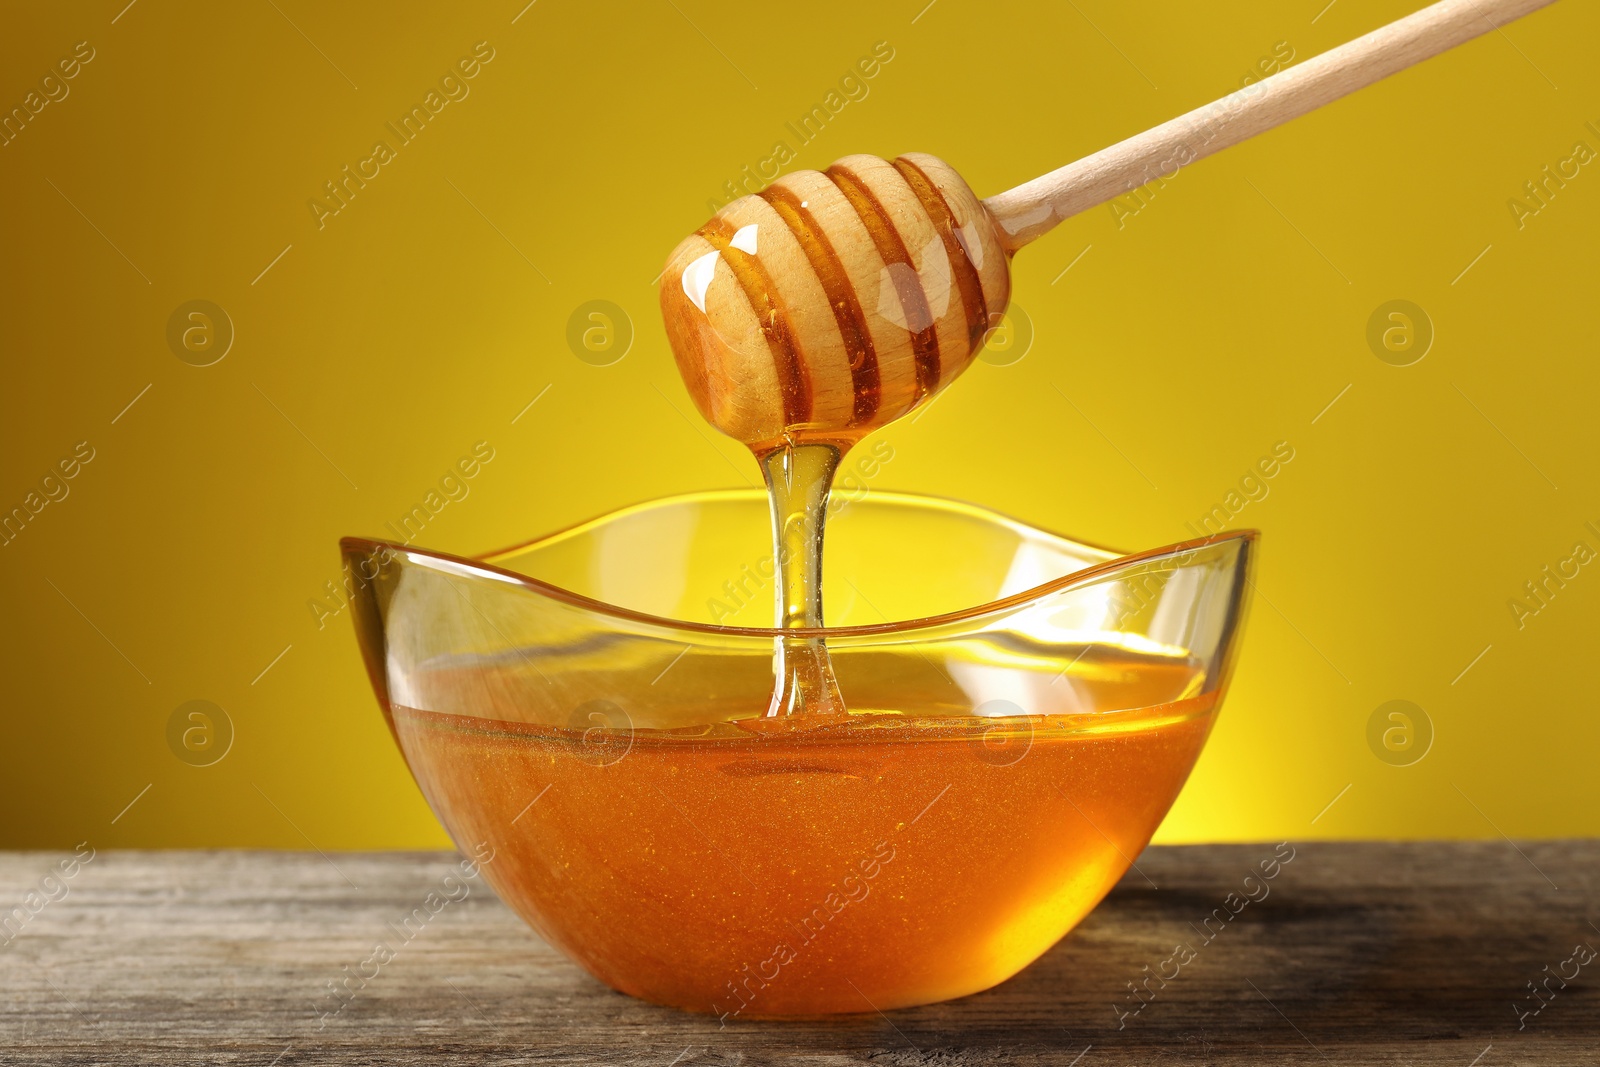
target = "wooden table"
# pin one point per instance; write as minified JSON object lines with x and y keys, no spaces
{"x":1362,"y":953}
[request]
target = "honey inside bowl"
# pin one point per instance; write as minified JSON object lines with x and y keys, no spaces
{"x":1022,"y":711}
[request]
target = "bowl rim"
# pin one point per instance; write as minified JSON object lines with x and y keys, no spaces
{"x":1118,"y":561}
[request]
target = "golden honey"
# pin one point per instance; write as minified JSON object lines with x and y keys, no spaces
{"x":760,"y":867}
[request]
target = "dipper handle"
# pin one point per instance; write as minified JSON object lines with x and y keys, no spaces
{"x":1034,"y":208}
{"x":832,"y":303}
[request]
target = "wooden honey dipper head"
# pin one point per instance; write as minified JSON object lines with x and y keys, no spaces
{"x":833,"y":302}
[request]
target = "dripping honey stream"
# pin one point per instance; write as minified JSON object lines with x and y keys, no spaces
{"x":799,"y":478}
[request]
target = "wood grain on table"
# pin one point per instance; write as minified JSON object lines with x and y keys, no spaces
{"x":1360,"y":953}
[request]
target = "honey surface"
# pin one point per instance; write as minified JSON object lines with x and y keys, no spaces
{"x":871,"y":863}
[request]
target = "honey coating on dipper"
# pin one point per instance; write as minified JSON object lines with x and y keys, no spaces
{"x":834,"y":302}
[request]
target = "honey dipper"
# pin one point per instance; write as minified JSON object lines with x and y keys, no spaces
{"x":834,"y":302}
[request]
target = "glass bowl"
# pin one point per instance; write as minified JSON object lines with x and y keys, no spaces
{"x":589,"y":709}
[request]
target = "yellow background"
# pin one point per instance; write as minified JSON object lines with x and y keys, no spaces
{"x":1219,"y":320}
